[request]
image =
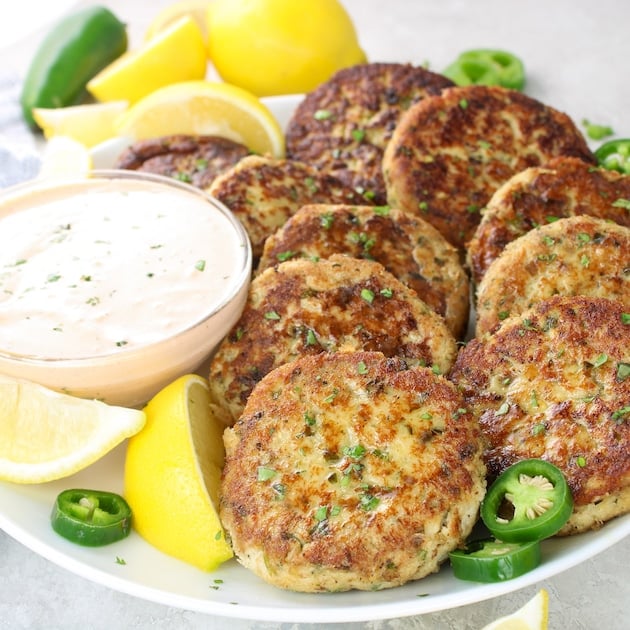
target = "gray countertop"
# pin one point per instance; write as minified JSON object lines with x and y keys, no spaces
{"x":576,"y":57}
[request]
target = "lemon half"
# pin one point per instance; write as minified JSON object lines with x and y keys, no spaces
{"x":47,"y":435}
{"x":172,"y":475}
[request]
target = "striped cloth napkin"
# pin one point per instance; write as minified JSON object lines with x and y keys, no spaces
{"x":19,"y":154}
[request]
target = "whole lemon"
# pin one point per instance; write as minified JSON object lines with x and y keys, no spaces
{"x":281,"y":46}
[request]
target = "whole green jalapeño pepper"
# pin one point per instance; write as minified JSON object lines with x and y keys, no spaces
{"x":75,"y":50}
{"x":485,"y":66}
{"x":91,"y":517}
{"x":529,"y":501}
{"x":614,"y":155}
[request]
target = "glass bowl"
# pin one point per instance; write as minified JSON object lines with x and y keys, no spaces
{"x":115,"y":284}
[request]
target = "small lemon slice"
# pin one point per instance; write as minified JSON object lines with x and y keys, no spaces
{"x":63,"y":156}
{"x":173,"y":472}
{"x":47,"y":435}
{"x":178,"y":53}
{"x":533,"y":615}
{"x":196,"y":9}
{"x":89,"y":124}
{"x":205,"y":107}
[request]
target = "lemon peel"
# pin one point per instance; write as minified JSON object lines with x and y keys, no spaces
{"x":167,"y":15}
{"x":177,"y":53}
{"x":273,"y":47}
{"x":533,"y":615}
{"x":172,"y":475}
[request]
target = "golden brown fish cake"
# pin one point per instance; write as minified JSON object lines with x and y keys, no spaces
{"x":449,"y":153}
{"x":344,"y":125}
{"x":264,"y":192}
{"x":553,"y":383}
{"x":336,"y":304}
{"x":579,"y":255}
{"x":406,"y":245}
{"x":196,"y":160}
{"x":560,"y":188}
{"x":350,"y":471}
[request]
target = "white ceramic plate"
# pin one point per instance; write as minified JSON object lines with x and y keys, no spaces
{"x":134,"y":567}
{"x":233,"y":591}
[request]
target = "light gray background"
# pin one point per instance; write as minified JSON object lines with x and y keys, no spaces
{"x":576,"y":51}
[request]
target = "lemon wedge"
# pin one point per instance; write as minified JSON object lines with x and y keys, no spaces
{"x":63,"y":156}
{"x":47,"y":435}
{"x":88,"y":124}
{"x":534,"y":615}
{"x":205,"y":107}
{"x":177,"y":53}
{"x":172,"y":475}
{"x":196,"y":9}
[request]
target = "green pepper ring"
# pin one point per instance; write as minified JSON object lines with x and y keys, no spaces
{"x":91,"y":518}
{"x":487,"y":67}
{"x":614,"y":155}
{"x":539,"y":512}
{"x":493,"y":561}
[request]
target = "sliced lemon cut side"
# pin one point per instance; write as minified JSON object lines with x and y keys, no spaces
{"x":173,"y":473}
{"x":88,"y":124}
{"x":47,"y":435}
{"x":63,"y":156}
{"x":205,"y":108}
{"x":178,"y":53}
{"x":534,"y":615}
{"x":196,"y":9}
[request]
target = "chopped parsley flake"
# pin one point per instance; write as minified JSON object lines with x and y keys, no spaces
{"x":367,"y":295}
{"x":595,"y":131}
{"x":503,"y":409}
{"x":599,"y":360}
{"x":282,"y":256}
{"x":271,"y":315}
{"x":265,"y":474}
{"x":358,"y":134}
{"x":200,"y":265}
{"x":368,"y":502}
{"x":322,"y":114}
{"x":622,"y":203}
{"x":362,"y":368}
{"x":623,"y":371}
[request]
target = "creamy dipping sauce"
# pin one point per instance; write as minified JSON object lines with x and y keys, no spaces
{"x":101,"y":266}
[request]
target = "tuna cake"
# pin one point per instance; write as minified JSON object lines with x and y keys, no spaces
{"x":553,"y":383}
{"x":196,"y":160}
{"x":449,"y":153}
{"x":302,"y":307}
{"x":264,"y":192}
{"x":579,"y":255}
{"x":344,"y":125}
{"x":406,"y":245}
{"x":350,"y":471}
{"x":560,"y":188}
